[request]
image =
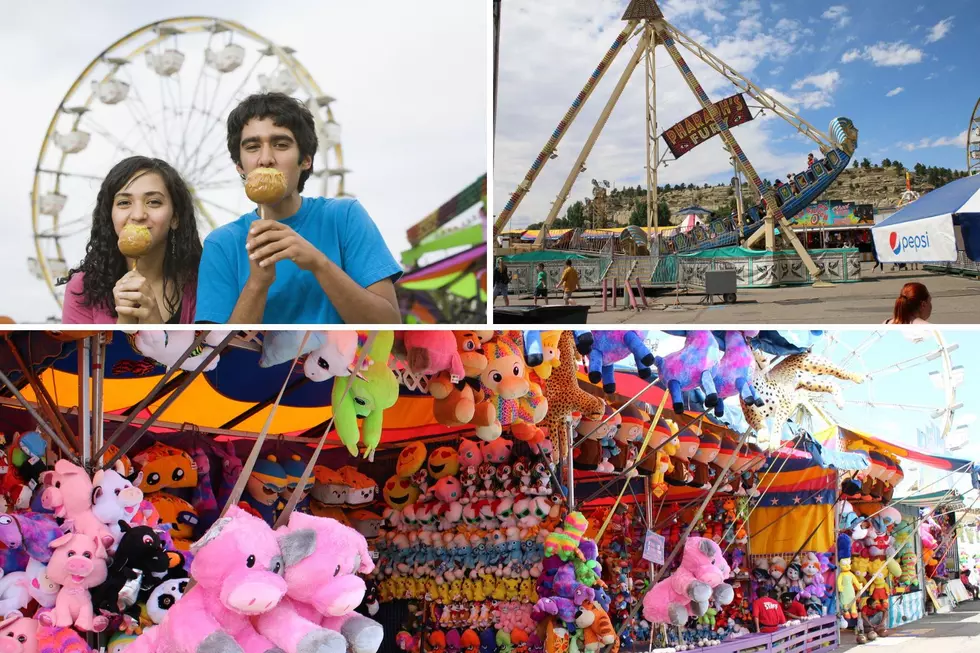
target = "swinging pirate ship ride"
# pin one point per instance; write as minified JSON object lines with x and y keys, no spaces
{"x":655,"y":256}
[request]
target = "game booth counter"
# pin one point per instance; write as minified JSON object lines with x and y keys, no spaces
{"x":897,"y":548}
{"x":412,"y":490}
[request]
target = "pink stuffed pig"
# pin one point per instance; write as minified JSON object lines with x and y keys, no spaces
{"x":78,"y":563}
{"x":238,"y":567}
{"x":700,"y":578}
{"x":18,"y":634}
{"x":68,"y":493}
{"x":429,"y":352}
{"x":324,"y":590}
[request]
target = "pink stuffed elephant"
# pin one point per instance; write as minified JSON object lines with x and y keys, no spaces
{"x":700,"y":578}
{"x":18,"y":634}
{"x":324,"y":590}
{"x":238,"y":567}
{"x":78,"y":563}
{"x":68,"y":493}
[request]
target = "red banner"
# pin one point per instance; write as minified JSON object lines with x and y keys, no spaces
{"x":699,"y":127}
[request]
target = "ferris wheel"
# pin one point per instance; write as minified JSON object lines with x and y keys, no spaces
{"x":973,"y":142}
{"x":165,"y":90}
{"x":924,"y":359}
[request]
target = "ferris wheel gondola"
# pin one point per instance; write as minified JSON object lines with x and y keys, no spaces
{"x":165,"y":90}
{"x":973,"y":142}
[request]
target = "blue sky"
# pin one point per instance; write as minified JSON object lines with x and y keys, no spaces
{"x":898,"y":68}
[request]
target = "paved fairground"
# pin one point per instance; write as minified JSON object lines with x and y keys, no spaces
{"x":955,"y":632}
{"x":956,"y":300}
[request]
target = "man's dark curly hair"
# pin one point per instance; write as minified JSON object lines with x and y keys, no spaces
{"x":104,"y":264}
{"x":285,"y":111}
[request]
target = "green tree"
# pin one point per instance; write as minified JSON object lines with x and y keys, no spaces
{"x":576,"y":215}
{"x":919,"y":169}
{"x":886,"y":163}
{"x":638,"y":216}
{"x":667,"y":188}
{"x":855,"y":165}
{"x":865,"y":163}
{"x":899,"y":167}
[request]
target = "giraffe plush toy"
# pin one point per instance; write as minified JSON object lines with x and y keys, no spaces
{"x":566,"y":397}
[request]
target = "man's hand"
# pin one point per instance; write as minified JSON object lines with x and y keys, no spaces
{"x":135,"y":301}
{"x":270,"y":242}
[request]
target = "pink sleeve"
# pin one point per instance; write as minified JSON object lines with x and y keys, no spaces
{"x":74,"y":311}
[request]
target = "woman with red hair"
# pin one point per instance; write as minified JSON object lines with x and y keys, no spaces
{"x":913,"y":306}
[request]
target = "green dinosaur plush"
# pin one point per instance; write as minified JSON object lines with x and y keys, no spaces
{"x":372,"y":391}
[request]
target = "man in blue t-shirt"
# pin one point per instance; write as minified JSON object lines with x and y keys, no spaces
{"x":307,"y":260}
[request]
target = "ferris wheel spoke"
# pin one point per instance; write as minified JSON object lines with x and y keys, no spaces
{"x":204,"y":120}
{"x":218,"y":117}
{"x":907,"y":364}
{"x":201,"y":77}
{"x":880,"y":404}
{"x":147,"y":120}
{"x":76,"y":175}
{"x":862,"y":347}
{"x":142,"y":127}
{"x":106,"y":134}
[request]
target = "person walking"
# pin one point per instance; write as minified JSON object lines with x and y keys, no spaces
{"x":568,"y":282}
{"x":501,"y":279}
{"x":541,"y":286}
{"x":878,"y":263}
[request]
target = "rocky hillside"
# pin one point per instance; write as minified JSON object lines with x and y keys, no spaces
{"x":878,"y":185}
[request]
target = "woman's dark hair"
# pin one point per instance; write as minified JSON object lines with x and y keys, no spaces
{"x":285,"y":111}
{"x":104,"y":264}
{"x":909,"y":303}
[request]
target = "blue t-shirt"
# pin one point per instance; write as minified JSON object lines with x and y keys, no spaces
{"x":340,"y":228}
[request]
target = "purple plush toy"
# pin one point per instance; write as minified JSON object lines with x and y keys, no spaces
{"x":608,"y":347}
{"x":691,"y":368}
{"x":733,"y":375}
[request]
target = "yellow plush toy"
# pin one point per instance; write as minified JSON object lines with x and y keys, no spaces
{"x":848,"y":586}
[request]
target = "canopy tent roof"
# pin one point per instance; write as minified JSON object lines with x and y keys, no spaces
{"x":908,"y":452}
{"x":694,"y":209}
{"x":923,"y":230}
{"x":236,"y":396}
{"x":933,"y":499}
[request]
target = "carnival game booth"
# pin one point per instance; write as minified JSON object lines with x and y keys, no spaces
{"x":191,"y":439}
{"x":895,"y":545}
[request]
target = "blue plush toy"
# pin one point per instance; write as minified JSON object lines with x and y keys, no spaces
{"x":609,"y":347}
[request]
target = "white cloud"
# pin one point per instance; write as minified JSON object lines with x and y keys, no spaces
{"x":777,"y":6}
{"x":776,"y":70}
{"x":824,"y":81}
{"x":894,"y":91}
{"x":939,"y":30}
{"x":839,"y":14}
{"x":677,"y":9}
{"x":930,"y":76}
{"x":886,"y":54}
{"x":946,"y":141}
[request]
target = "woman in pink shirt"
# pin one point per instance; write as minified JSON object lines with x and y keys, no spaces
{"x":105,"y":288}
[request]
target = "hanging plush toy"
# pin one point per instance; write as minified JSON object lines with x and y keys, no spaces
{"x":565,"y":397}
{"x":609,"y":347}
{"x":68,"y":493}
{"x":780,"y":389}
{"x":541,"y":352}
{"x":166,"y":347}
{"x":165,"y":467}
{"x":265,"y":483}
{"x":455,"y":403}
{"x":686,"y":592}
{"x":431,"y":352}
{"x":114,"y":500}
{"x":334,"y":358}
{"x":78,"y":564}
{"x":734,"y":373}
{"x":505,"y":387}
{"x":180,"y":515}
{"x":693,"y":367}
{"x":371,"y":393}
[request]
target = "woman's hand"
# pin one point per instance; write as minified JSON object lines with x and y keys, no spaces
{"x":135,"y":301}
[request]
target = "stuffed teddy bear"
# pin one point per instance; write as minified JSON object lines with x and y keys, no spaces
{"x":597,"y":628}
{"x":68,"y":493}
{"x":314,"y":601}
{"x":238,"y":567}
{"x":700,"y":578}
{"x":455,"y":403}
{"x":372,"y":391}
{"x":77,"y":564}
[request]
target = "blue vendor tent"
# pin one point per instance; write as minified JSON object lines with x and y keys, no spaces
{"x":924,"y":231}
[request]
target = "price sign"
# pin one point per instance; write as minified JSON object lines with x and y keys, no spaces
{"x":653,"y":548}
